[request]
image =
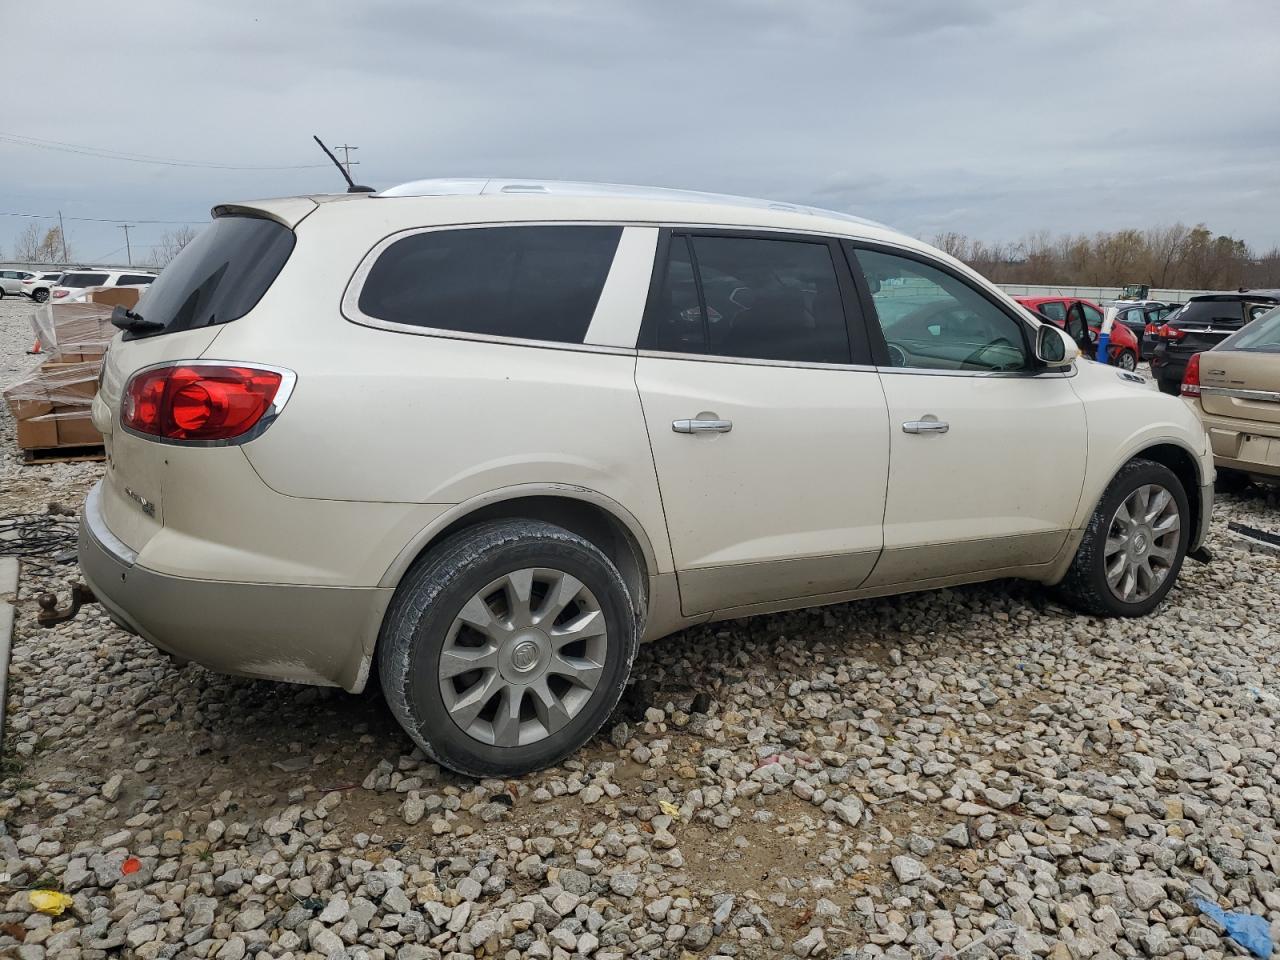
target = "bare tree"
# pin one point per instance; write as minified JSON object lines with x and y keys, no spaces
{"x":170,"y":245}
{"x":26,"y":248}
{"x":52,"y":248}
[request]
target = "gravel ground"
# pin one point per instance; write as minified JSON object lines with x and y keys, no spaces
{"x":967,"y":773}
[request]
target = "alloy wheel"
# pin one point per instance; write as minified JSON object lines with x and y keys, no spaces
{"x":1142,"y":543}
{"x":523,"y":657}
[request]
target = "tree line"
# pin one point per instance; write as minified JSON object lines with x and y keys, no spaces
{"x":49,"y":246}
{"x":1176,"y":256}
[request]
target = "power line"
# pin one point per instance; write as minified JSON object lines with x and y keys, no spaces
{"x":108,"y":154}
{"x":54,"y":216}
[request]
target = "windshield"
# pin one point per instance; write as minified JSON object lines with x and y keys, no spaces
{"x":218,"y":277}
{"x":1261,"y":336}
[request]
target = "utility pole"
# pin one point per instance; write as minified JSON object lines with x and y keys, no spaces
{"x":346,"y":158}
{"x":128,"y":249}
{"x":62,"y":235}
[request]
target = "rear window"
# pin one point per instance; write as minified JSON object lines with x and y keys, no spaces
{"x":1217,"y":313}
{"x":530,"y":282}
{"x":218,"y":277}
{"x":1262,"y":336}
{"x":84,"y":280}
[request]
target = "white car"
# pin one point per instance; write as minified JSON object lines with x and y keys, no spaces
{"x":11,"y":282}
{"x":484,"y":436}
{"x":75,"y":283}
{"x":38,"y":285}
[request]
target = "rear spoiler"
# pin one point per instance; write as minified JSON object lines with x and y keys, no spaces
{"x":289,"y":211}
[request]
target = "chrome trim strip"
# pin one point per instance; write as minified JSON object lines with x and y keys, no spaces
{"x":1264,"y":396}
{"x":288,"y":381}
{"x":749,"y":362}
{"x":96,"y":524}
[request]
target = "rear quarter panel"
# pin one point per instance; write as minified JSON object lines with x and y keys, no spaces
{"x":392,"y":417}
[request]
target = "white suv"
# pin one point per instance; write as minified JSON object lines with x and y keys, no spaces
{"x":485,"y":436}
{"x":11,"y":282}
{"x":73,"y":286}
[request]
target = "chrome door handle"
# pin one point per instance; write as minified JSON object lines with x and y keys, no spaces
{"x":701,"y":426}
{"x":926,"y":426}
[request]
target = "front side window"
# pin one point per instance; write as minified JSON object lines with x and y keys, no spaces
{"x":932,"y":320}
{"x":751,"y":298}
{"x":530,"y":282}
{"x":129,"y":279}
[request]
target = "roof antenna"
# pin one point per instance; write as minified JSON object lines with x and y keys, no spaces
{"x":352,"y":186}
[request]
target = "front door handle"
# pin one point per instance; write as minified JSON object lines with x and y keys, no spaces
{"x":701,"y":426}
{"x":926,"y":426}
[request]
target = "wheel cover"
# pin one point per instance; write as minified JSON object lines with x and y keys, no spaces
{"x":523,"y":657}
{"x":1142,"y":543}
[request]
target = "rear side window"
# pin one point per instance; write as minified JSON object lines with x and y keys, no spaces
{"x":1054,"y":310}
{"x":750,"y":298}
{"x":134,"y":279}
{"x":1091,"y":314}
{"x":79,"y":280}
{"x":529,"y":282}
{"x":218,"y":277}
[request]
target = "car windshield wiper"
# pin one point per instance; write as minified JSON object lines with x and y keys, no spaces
{"x":126,"y":319}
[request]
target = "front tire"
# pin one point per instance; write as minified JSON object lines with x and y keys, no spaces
{"x":1134,"y":545}
{"x":507,"y":647}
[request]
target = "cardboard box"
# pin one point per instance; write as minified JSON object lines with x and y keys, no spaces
{"x":53,"y":407}
{"x":116,"y":296}
{"x":38,"y":433}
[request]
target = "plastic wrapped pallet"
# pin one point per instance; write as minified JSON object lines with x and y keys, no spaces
{"x":52,"y":408}
{"x":73,"y":332}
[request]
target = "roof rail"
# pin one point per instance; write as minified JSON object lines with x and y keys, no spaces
{"x":481,"y":186}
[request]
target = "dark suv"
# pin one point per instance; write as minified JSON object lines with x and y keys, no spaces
{"x":1202,"y":324}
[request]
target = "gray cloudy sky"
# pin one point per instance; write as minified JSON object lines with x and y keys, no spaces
{"x":990,"y":118}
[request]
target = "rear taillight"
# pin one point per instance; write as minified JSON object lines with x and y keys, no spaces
{"x":1170,"y":333}
{"x":59,"y":294}
{"x":204,"y":402}
{"x":1191,"y":378}
{"x":1151,"y":329}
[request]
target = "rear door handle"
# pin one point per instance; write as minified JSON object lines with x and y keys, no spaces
{"x":701,"y":426}
{"x":926,"y":426}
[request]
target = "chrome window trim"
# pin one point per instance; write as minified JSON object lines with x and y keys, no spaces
{"x":990,"y":374}
{"x":1238,"y":393}
{"x":288,"y":381}
{"x":751,"y":362}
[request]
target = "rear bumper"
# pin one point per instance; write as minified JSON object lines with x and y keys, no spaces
{"x":1201,"y":533}
{"x":290,"y":632}
{"x":1245,"y":445}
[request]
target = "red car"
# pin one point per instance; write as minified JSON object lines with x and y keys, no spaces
{"x":1074,"y":315}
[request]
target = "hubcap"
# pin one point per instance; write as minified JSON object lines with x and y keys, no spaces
{"x":523,"y":657}
{"x":1127,"y":361}
{"x":1142,"y":543}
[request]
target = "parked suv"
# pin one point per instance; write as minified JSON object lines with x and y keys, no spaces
{"x":11,"y":282}
{"x":75,"y":283}
{"x":1202,"y":324}
{"x":484,"y":436}
{"x":38,"y":285}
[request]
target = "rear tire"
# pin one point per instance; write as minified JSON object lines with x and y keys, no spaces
{"x":1171,"y":387}
{"x":1127,"y":360}
{"x":506,"y":596}
{"x":1156,"y":542}
{"x":40,"y":296}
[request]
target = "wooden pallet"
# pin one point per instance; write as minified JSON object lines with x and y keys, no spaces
{"x":93,"y":451}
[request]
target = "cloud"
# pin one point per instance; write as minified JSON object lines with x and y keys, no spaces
{"x":978,"y":116}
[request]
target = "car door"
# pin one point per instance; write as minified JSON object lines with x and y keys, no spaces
{"x":987,"y":452}
{"x":766,"y":419}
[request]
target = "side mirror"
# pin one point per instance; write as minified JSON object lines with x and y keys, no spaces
{"x":1054,"y":348}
